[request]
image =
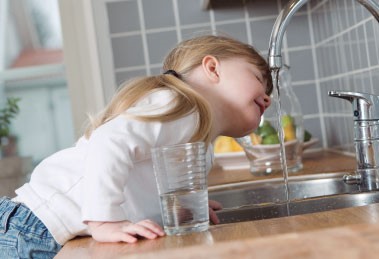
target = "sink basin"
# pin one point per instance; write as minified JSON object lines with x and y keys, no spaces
{"x":307,"y":194}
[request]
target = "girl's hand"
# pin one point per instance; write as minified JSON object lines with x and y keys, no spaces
{"x":124,"y":231}
{"x":214,"y":206}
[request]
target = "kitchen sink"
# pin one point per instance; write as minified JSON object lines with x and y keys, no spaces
{"x":306,"y":194}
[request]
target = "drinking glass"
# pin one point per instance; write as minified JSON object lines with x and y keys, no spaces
{"x":180,"y":173}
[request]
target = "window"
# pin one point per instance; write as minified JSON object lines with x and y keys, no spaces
{"x":32,"y":69}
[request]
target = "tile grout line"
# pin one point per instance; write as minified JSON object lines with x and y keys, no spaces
{"x":317,"y":81}
{"x":212,"y":19}
{"x":368,"y":56}
{"x":177,"y":20}
{"x":144,"y":39}
{"x":248,"y":27}
{"x":342,"y":32}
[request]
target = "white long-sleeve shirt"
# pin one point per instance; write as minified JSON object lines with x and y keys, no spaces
{"x":108,"y":177}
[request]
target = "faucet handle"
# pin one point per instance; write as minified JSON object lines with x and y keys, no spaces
{"x":365,"y":106}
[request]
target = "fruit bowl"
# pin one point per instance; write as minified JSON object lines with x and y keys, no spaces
{"x":239,"y":160}
{"x":265,"y":151}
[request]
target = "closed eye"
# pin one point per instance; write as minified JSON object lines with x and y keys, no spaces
{"x":268,"y":90}
{"x":259,"y":79}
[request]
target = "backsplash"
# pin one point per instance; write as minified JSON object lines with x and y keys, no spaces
{"x":329,"y":44}
{"x":346,"y":51}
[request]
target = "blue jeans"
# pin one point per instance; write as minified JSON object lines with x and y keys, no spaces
{"x":22,"y":234}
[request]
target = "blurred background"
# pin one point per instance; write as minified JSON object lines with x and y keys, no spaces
{"x":32,"y":69}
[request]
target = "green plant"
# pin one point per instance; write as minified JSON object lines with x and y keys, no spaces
{"x":10,"y":110}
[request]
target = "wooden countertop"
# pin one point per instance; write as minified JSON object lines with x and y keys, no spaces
{"x":344,"y":233}
{"x":317,"y":235}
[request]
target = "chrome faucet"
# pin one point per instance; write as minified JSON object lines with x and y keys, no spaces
{"x":367,"y":148}
{"x":366,"y":138}
{"x":281,"y":23}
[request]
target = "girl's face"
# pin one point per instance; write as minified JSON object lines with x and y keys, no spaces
{"x":243,"y":97}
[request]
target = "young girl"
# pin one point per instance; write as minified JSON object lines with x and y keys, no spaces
{"x":104,"y":186}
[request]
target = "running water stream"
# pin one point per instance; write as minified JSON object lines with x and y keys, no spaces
{"x":278,"y":109}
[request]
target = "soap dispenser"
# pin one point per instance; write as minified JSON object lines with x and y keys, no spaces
{"x":366,"y":138}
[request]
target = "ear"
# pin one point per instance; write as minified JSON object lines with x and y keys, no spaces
{"x":211,"y":68}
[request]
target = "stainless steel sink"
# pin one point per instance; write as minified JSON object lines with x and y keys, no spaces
{"x":307,"y":194}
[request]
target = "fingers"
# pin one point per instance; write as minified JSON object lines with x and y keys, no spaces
{"x":127,"y":238}
{"x":125,"y":231}
{"x":114,"y":236}
{"x":152,"y":226}
{"x":215,"y":205}
{"x":145,"y":228}
{"x":213,"y":216}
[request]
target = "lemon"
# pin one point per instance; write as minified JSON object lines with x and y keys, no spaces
{"x":289,"y":127}
{"x":224,"y":144}
{"x":287,"y":120}
{"x":235,"y":146}
{"x":289,"y":132}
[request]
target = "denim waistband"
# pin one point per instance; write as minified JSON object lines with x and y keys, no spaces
{"x":20,"y":216}
{"x":24,"y":232}
{"x":7,"y":208}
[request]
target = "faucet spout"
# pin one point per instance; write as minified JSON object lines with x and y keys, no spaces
{"x":281,"y":23}
{"x":280,"y":26}
{"x":372,"y":6}
{"x":367,"y":120}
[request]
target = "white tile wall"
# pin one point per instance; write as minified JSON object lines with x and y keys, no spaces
{"x":329,"y":44}
{"x":347,"y":59}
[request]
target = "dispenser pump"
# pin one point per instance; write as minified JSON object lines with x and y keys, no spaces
{"x":365,"y":106}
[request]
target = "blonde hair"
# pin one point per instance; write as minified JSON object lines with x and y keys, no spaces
{"x":185,"y":57}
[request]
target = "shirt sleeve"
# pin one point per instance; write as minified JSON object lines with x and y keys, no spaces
{"x":113,"y":149}
{"x":107,"y":165}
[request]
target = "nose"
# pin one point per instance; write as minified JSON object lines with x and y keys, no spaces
{"x":267,"y":101}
